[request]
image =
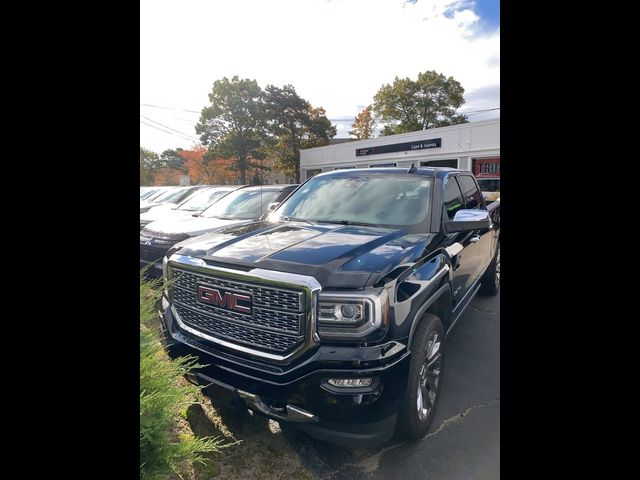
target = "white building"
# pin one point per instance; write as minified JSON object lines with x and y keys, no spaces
{"x":473,"y":146}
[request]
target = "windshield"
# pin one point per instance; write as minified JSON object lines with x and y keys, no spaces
{"x":155,"y":194}
{"x":147,"y":192}
{"x":377,"y":200}
{"x":242,"y":204}
{"x":201,"y":200}
{"x":170,"y":195}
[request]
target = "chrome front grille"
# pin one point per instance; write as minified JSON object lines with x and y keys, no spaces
{"x":238,"y":333}
{"x":154,"y":245}
{"x":269,"y":319}
{"x":152,"y":254}
{"x":277,"y":322}
{"x":158,"y":239}
{"x":266,"y":297}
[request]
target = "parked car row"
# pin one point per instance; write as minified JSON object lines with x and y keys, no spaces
{"x":193,"y":204}
{"x":171,"y":196}
{"x":327,"y":304}
{"x":207,"y":210}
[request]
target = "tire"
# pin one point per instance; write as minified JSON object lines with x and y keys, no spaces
{"x":414,"y":421}
{"x":490,"y":282}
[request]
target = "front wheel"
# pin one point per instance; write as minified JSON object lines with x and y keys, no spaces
{"x":425,"y":378}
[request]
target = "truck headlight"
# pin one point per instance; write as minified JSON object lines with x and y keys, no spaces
{"x":348,"y":315}
{"x":337,"y":313}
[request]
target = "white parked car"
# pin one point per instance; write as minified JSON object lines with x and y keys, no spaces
{"x":173,"y":196}
{"x":195,"y":204}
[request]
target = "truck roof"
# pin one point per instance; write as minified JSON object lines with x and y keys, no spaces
{"x":426,"y":171}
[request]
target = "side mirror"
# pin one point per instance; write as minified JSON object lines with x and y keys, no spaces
{"x":467,"y":220}
{"x":272,"y":206}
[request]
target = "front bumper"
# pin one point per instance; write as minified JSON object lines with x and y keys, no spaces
{"x":298,"y":392}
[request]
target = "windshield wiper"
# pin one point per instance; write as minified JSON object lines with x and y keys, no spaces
{"x":293,"y":219}
{"x":348,"y":222}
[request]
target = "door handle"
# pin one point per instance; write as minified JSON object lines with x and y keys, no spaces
{"x":475,"y":238}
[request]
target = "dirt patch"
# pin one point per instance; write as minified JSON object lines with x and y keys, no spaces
{"x":261,"y":451}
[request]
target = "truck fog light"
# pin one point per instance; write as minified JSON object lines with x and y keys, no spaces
{"x":350,"y":382}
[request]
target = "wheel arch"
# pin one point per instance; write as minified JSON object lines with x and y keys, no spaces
{"x":439,"y":304}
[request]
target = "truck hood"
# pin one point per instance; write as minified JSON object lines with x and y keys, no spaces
{"x":192,"y":226}
{"x":338,"y":256}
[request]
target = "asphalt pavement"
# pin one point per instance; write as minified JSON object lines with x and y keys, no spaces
{"x":464,"y":438}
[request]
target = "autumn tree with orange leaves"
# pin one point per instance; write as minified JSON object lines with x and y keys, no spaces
{"x":194,"y":162}
{"x":167,"y":176}
{"x":203,"y":169}
{"x":219,"y":171}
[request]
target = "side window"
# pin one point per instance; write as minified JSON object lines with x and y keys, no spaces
{"x":472,"y":196}
{"x":452,"y":197}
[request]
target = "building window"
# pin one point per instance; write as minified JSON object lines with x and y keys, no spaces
{"x":313,"y":173}
{"x":453,"y":163}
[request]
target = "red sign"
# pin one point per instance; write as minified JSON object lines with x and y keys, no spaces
{"x":487,"y":167}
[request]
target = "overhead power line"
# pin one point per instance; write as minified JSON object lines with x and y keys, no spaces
{"x":169,"y":108}
{"x":349,"y":119}
{"x":337,"y":120}
{"x":480,"y":111}
{"x":169,"y":128}
{"x":166,"y":131}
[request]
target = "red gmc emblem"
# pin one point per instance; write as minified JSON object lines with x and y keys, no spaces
{"x":236,"y":302}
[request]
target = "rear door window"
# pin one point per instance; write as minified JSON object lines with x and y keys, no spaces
{"x":472,"y":195}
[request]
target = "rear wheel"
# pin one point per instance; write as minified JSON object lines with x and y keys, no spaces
{"x":490,"y":282}
{"x":425,"y":378}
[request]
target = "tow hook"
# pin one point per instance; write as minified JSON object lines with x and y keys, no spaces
{"x":289,"y":413}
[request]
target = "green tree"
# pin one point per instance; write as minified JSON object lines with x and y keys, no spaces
{"x":320,"y":130}
{"x":364,"y":124}
{"x":430,"y":101}
{"x":294,"y":124}
{"x":234,"y":125}
{"x":148,"y":166}
{"x":172,"y":160}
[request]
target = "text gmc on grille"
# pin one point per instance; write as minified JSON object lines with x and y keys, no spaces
{"x":276,"y":323}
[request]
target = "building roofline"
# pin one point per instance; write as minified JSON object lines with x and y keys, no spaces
{"x":359,"y":143}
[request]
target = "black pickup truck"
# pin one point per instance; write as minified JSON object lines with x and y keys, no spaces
{"x":332,"y":313}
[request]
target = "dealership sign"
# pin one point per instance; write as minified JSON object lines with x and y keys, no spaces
{"x":400,"y":147}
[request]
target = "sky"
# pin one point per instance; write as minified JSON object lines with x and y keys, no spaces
{"x":336,"y":53}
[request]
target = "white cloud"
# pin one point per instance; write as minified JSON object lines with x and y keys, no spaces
{"x":336,"y":53}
